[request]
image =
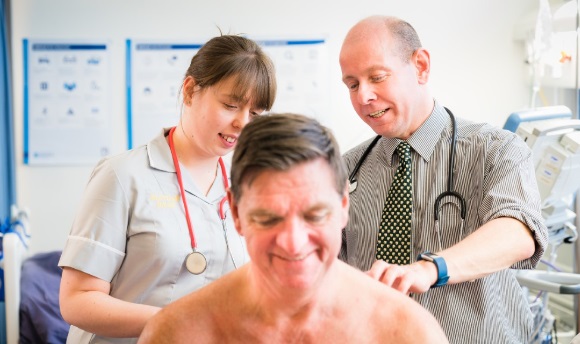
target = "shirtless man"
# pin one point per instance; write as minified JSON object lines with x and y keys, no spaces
{"x":289,"y":199}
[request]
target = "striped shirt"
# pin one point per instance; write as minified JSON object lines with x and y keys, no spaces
{"x":494,"y":173}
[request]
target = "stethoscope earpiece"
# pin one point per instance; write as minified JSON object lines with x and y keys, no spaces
{"x":352,"y":186}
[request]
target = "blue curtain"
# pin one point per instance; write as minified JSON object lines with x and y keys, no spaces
{"x":7,"y":175}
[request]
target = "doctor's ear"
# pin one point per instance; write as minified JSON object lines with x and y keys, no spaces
{"x":422,"y":61}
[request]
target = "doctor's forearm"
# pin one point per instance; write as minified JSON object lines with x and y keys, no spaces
{"x":495,"y":246}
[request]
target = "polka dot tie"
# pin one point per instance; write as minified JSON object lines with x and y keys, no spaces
{"x":394,"y":241}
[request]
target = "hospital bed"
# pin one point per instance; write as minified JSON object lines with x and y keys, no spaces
{"x":30,"y":287}
{"x":554,"y":138}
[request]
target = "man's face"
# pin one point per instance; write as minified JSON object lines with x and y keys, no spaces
{"x":383,"y":88}
{"x":292,"y":223}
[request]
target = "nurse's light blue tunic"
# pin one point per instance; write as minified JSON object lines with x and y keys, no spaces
{"x":131,"y":230}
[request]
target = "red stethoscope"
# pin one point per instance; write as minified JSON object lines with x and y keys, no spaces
{"x":195,"y":262}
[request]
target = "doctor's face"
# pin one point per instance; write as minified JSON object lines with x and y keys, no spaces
{"x":292,"y":222}
{"x":384,"y":89}
{"x":213,"y":117}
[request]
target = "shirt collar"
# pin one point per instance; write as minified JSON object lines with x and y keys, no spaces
{"x":160,"y":158}
{"x":159,"y":152}
{"x":425,"y":138}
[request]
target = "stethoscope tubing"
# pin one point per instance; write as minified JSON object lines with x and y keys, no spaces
{"x":450,"y":173}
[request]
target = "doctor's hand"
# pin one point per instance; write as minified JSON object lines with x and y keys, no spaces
{"x":414,"y":278}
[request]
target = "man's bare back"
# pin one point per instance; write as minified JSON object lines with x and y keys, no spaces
{"x":357,"y":310}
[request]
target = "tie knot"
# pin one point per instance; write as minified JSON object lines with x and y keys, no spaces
{"x":404,"y":150}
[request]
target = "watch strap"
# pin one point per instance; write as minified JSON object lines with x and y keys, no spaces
{"x":442,"y":275}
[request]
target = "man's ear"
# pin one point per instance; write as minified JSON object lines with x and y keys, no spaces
{"x":422,"y":61}
{"x":345,"y":203}
{"x":234,"y":211}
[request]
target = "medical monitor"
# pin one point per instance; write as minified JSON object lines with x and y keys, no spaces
{"x":554,"y":139}
{"x":536,"y":114}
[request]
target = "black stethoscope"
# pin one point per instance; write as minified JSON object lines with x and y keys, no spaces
{"x":353,"y":180}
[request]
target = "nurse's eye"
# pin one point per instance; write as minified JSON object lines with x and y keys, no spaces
{"x":230,"y":106}
{"x":255,"y":113}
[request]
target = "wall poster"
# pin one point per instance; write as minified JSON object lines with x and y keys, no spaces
{"x":66,"y":102}
{"x":155,"y":71}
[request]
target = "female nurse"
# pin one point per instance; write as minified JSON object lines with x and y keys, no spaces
{"x":153,"y":224}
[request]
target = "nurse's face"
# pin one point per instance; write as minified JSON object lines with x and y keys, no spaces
{"x":292,"y":222}
{"x":213,"y":117}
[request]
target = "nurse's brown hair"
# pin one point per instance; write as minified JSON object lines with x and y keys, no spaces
{"x":233,"y":56}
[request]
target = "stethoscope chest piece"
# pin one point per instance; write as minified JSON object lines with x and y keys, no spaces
{"x":195,"y":263}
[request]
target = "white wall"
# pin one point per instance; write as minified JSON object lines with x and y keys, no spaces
{"x":477,"y":66}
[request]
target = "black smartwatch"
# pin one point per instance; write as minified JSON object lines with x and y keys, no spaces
{"x":442,"y":276}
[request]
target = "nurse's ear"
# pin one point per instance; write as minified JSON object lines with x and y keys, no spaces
{"x":188,"y":89}
{"x":234,"y":210}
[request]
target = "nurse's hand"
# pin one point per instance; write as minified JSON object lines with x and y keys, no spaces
{"x":415,"y":278}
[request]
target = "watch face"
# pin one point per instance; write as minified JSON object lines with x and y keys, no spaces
{"x":427,"y":257}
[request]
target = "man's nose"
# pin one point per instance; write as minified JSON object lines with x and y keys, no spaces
{"x":365,"y":94}
{"x":292,"y":237}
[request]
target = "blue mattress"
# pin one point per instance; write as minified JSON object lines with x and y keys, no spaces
{"x":40,"y":319}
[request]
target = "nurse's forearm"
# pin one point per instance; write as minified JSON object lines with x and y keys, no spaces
{"x":85,"y":303}
{"x":106,"y":316}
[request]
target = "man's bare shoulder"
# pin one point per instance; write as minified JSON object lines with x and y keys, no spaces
{"x":394,"y":314}
{"x":159,"y":329}
{"x":193,"y":313}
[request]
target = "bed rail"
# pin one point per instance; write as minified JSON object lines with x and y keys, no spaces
{"x":14,"y":248}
